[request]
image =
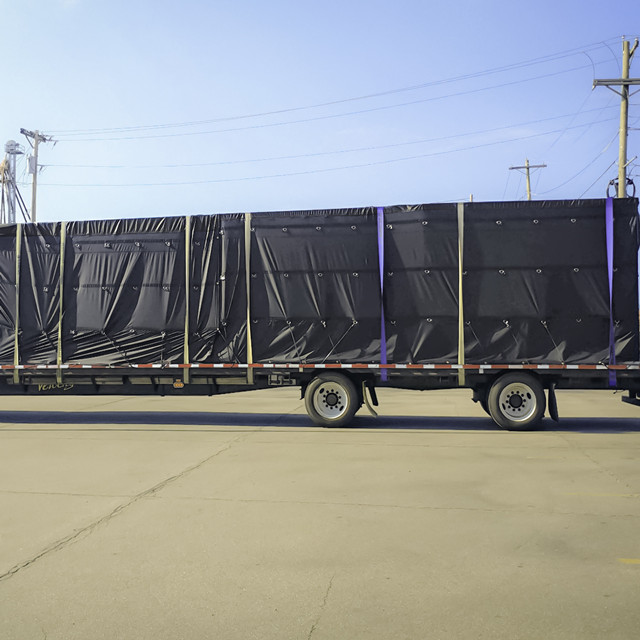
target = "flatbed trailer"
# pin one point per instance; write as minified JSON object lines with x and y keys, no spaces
{"x":512,"y":300}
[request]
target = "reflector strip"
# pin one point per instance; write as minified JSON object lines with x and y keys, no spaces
{"x":634,"y":366}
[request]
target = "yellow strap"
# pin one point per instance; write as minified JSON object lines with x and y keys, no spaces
{"x":16,"y":344}
{"x":461,"y":376}
{"x":63,"y":242}
{"x":247,"y":266}
{"x":187,"y":296}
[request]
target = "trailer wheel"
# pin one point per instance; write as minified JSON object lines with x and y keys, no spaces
{"x":516,"y":401}
{"x":331,"y":400}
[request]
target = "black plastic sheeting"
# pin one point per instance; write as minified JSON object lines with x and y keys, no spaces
{"x":535,"y":281}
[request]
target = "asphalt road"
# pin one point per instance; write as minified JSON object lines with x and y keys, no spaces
{"x":149,"y":518}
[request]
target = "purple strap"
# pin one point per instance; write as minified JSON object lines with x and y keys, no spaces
{"x":383,"y":332}
{"x":612,"y":336}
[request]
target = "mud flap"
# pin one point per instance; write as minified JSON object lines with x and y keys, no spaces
{"x":553,"y":403}
{"x":365,"y":396}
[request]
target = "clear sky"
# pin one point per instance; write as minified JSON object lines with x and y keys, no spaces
{"x":165,"y":108}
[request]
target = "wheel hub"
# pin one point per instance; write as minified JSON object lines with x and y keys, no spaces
{"x":330,"y":400}
{"x":517,"y":402}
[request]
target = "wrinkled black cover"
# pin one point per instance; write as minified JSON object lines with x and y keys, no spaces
{"x":535,"y":286}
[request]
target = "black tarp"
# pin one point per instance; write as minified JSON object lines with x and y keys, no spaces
{"x":328,"y":286}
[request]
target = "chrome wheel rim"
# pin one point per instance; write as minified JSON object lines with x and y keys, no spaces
{"x":331,"y":400}
{"x":517,"y":402}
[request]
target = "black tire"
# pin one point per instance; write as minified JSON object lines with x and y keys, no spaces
{"x":516,"y":401}
{"x":331,"y":400}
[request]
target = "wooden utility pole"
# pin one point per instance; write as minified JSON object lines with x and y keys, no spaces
{"x":527,"y":168}
{"x":37,"y":137}
{"x":624,"y":83}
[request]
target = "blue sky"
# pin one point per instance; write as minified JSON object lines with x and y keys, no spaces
{"x":301,"y":105}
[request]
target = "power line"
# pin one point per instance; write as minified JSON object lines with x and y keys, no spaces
{"x":539,"y":60}
{"x":321,"y":153}
{"x":598,"y":178}
{"x":583,"y":169}
{"x":328,"y":169}
{"x":325,"y":117}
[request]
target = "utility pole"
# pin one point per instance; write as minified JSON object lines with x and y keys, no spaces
{"x":37,"y":137}
{"x":624,"y":83}
{"x":527,"y":167}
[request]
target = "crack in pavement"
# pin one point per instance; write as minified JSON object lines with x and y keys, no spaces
{"x":420,"y":507}
{"x":600,"y":467}
{"x":322,"y":608}
{"x":88,"y":529}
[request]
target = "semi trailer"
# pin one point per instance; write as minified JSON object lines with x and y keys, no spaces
{"x":512,"y":300}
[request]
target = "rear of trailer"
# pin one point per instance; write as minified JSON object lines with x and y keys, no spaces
{"x":512,"y":300}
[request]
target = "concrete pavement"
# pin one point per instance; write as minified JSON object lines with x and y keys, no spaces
{"x":154,"y":518}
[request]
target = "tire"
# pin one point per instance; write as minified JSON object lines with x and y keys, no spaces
{"x":331,"y":400}
{"x":516,"y":401}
